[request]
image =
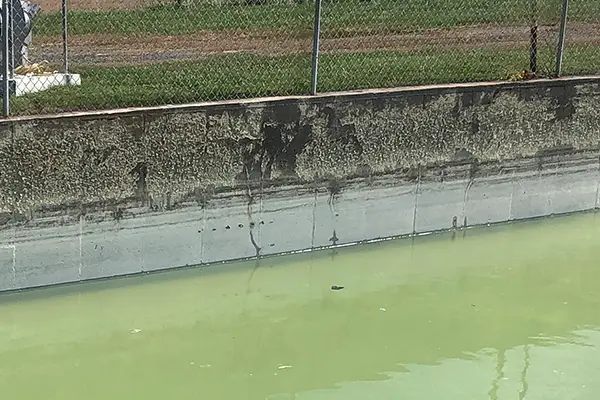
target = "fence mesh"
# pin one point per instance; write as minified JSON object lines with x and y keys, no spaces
{"x":136,"y":53}
{"x":389,"y":43}
{"x":155,"y":52}
{"x":582,"y":42}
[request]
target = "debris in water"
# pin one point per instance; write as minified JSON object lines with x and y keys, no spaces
{"x":135,"y":331}
{"x":284,"y":366}
{"x":335,"y":287}
{"x":382,"y":309}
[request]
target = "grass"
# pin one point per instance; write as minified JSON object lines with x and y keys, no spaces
{"x":243,"y":76}
{"x":337,"y":16}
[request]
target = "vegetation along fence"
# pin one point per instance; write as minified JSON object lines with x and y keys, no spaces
{"x":156,"y":52}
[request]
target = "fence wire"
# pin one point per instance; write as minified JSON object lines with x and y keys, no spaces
{"x":582,"y":42}
{"x":389,"y":43}
{"x":156,"y":52}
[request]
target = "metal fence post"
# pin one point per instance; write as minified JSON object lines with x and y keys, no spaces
{"x":316,"y":44}
{"x":533,"y":38}
{"x":561,"y":38}
{"x":11,"y":40}
{"x":65,"y":36}
{"x":5,"y":58}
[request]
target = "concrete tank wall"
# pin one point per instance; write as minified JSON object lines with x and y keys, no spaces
{"x":94,"y":195}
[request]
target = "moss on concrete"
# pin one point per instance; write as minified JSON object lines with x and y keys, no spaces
{"x":159,"y":158}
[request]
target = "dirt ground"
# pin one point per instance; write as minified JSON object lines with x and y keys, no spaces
{"x":111,"y":50}
{"x":55,"y":5}
{"x":114,"y":50}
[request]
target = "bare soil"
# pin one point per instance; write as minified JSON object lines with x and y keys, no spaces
{"x":55,"y":5}
{"x":115,"y":50}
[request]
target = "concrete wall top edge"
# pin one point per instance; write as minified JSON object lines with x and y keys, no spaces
{"x":365,"y":94}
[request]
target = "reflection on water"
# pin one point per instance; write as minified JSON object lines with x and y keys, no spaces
{"x":501,"y":374}
{"x":503,"y":313}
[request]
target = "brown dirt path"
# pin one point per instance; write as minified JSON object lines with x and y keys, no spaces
{"x":113,"y":50}
{"x":54,"y":5}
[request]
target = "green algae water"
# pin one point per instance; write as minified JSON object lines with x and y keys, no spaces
{"x":510,"y":312}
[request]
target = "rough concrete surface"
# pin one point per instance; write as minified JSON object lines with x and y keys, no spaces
{"x":97,"y":195}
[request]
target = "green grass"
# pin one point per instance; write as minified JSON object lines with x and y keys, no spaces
{"x":340,"y":15}
{"x":243,"y":76}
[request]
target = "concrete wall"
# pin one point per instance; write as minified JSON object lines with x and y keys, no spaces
{"x":94,"y":195}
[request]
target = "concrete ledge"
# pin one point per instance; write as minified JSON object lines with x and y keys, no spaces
{"x":334,"y":96}
{"x":108,"y":194}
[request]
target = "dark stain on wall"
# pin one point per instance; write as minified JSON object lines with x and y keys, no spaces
{"x":283,"y":135}
{"x":467,"y":99}
{"x":139,"y":173}
{"x":415,"y":99}
{"x":342,"y":136}
{"x":486,"y":96}
{"x":564,"y":99}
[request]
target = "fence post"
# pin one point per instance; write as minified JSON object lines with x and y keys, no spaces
{"x":561,"y":38}
{"x":316,"y":44}
{"x":5,"y":56}
{"x":533,"y":38}
{"x":65,"y":36}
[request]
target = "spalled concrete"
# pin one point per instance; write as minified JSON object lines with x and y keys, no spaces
{"x":127,"y":191}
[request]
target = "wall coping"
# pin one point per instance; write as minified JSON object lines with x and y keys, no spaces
{"x":362,"y":93}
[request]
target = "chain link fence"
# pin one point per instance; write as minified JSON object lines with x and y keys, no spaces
{"x":122,"y":53}
{"x":582,"y":42}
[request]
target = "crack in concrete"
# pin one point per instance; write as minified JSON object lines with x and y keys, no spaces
{"x":80,"y":266}
{"x":417,"y":188}
{"x":596,"y":205}
{"x":251,"y":223}
{"x":472,"y":172}
{"x":314,"y":221}
{"x":331,"y":201}
{"x":256,"y":247}
{"x":202,"y":230}
{"x":512,"y":196}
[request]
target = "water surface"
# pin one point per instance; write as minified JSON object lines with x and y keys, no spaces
{"x":502,"y":313}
